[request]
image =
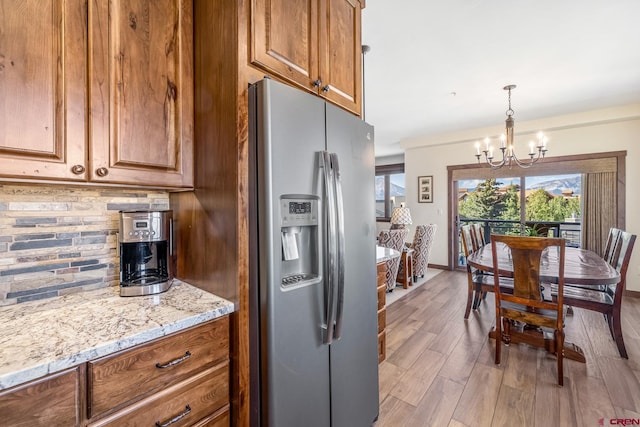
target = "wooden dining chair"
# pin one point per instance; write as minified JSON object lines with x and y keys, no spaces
{"x":527,"y":303}
{"x":605,"y":299}
{"x":478,"y":282}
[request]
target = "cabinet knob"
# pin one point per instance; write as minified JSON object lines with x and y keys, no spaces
{"x":326,"y":88}
{"x":317,"y":83}
{"x":102,"y":171}
{"x":77,"y":169}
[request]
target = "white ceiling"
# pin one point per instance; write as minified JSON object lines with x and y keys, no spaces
{"x":437,"y":67}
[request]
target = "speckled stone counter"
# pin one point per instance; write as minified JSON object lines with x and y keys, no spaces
{"x":385,"y":254}
{"x":45,"y":336}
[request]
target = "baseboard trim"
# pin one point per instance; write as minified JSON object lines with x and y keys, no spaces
{"x":632,"y":294}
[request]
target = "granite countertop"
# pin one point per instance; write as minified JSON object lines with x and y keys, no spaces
{"x":41,"y":337}
{"x":385,"y":254}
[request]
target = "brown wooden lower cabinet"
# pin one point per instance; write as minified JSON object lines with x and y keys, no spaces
{"x":382,"y":310}
{"x":50,"y":401}
{"x":179,"y":380}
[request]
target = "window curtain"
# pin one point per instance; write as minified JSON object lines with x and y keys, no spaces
{"x":599,"y":209}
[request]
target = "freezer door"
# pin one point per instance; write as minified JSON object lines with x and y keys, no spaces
{"x":294,"y":361}
{"x":354,"y":356}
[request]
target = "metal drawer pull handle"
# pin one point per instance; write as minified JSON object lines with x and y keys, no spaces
{"x":175,"y":361}
{"x":102,"y":172}
{"x":175,"y":419}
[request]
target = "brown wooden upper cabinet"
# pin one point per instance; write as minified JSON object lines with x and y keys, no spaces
{"x":315,"y":44}
{"x":97,"y":91}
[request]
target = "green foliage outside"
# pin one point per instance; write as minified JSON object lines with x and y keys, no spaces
{"x":487,"y":202}
{"x":484,"y":203}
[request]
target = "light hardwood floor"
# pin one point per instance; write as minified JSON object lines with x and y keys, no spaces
{"x":440,"y":368}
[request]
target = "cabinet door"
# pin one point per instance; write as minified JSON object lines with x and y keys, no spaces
{"x":284,"y":39}
{"x":340,"y":53}
{"x":141,"y":76}
{"x":42,"y":89}
{"x":52,"y":401}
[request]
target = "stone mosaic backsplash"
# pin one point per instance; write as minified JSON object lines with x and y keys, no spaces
{"x":56,"y":240}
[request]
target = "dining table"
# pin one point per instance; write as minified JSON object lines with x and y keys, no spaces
{"x":581,"y":267}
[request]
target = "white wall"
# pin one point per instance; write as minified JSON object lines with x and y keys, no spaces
{"x":596,"y":131}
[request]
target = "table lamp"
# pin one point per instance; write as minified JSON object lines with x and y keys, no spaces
{"x":401,"y":217}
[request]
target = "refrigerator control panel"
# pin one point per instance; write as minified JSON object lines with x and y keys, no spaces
{"x":298,"y":212}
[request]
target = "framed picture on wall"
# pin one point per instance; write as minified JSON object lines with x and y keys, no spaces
{"x":425,"y":189}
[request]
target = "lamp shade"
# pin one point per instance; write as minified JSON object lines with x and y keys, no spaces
{"x":401,"y":216}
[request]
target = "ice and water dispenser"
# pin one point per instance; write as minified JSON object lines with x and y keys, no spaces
{"x":299,"y":233}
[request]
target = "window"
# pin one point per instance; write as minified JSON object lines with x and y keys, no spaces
{"x":582,"y":213}
{"x":389,"y":188}
{"x":550,"y":204}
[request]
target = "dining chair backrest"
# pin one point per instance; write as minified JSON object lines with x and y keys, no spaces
{"x":466,"y":235}
{"x":478,"y":235}
{"x":526,"y":256}
{"x":422,"y":243}
{"x":622,"y":254}
{"x":610,"y":244}
{"x":620,"y":261}
{"x":393,"y":239}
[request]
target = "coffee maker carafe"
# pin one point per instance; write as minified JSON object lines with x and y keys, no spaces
{"x":146,"y":252}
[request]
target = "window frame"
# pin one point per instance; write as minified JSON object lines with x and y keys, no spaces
{"x":614,"y":161}
{"x":387,"y":171}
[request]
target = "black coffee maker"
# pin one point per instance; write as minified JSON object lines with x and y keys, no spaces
{"x":146,"y":253}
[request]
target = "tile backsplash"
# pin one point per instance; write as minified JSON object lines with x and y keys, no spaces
{"x":56,"y":240}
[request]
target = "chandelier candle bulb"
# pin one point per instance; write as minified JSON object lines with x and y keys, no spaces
{"x":531,"y":146}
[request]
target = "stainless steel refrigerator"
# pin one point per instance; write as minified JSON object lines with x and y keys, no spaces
{"x":314,"y":348}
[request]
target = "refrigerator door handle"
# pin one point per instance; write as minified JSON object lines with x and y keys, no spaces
{"x":340,"y":243}
{"x":330,"y":255}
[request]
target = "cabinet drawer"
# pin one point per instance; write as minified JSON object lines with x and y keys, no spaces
{"x":382,"y":297}
{"x":382,"y":320}
{"x":381,"y":270}
{"x":185,"y":403}
{"x":52,"y":401}
{"x":131,"y":375}
{"x":221,"y":418}
{"x":382,"y":346}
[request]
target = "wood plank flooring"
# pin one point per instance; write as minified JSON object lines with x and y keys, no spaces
{"x":440,"y":368}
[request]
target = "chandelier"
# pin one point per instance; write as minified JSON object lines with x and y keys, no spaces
{"x":509,"y":158}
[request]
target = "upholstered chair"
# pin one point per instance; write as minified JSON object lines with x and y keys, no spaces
{"x":393,"y":239}
{"x":422,"y":242}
